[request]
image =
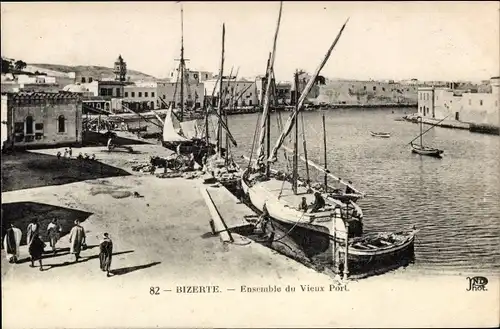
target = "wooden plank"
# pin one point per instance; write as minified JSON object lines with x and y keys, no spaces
{"x":218,"y":222}
{"x":232,"y":210}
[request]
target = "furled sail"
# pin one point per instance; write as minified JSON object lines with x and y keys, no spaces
{"x":191,"y":130}
{"x":263,"y":122}
{"x":291,"y":119}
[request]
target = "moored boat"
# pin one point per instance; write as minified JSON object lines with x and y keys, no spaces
{"x":279,"y":194}
{"x":425,"y":150}
{"x":380,"y":134}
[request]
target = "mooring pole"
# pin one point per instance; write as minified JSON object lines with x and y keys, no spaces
{"x":346,"y":267}
{"x":335,"y":242}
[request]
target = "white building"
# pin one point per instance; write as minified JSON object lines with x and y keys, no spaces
{"x":460,"y":105}
{"x":141,"y":96}
{"x":191,"y":76}
{"x":241,"y":91}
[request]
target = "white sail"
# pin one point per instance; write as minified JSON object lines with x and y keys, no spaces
{"x":172,"y":130}
{"x":291,"y":119}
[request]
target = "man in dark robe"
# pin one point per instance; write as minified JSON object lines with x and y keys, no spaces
{"x":106,"y":253}
{"x":348,"y":189}
{"x":36,"y":250}
{"x":319,"y":202}
{"x":303,"y":204}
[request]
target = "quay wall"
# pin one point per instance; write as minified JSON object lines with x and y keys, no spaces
{"x":454,"y":124}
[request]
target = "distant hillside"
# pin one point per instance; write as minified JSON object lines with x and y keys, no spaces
{"x":86,"y":70}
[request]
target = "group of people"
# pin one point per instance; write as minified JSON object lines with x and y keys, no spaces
{"x":319,"y":202}
{"x":36,"y":246}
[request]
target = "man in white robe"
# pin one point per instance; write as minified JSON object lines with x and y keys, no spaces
{"x":11,"y":243}
{"x":76,"y":239}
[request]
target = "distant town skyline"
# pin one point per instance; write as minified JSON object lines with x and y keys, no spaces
{"x":383,"y":40}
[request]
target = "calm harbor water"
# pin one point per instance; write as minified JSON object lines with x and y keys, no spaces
{"x":454,"y":201}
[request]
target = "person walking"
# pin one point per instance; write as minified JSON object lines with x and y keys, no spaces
{"x":32,"y":230}
{"x":76,"y":239}
{"x":54,"y":231}
{"x":105,"y":253}
{"x":11,"y":243}
{"x":36,"y":249}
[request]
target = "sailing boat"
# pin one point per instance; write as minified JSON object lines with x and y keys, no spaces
{"x":268,"y":190}
{"x":425,"y":150}
{"x":220,"y":164}
{"x":178,"y":134}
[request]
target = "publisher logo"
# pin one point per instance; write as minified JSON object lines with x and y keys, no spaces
{"x":477,"y":283}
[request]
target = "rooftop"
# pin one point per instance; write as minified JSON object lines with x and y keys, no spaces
{"x":40,"y":95}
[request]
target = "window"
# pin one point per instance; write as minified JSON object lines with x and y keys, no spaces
{"x":364,"y":87}
{"x":117,"y":92}
{"x":374,"y":88}
{"x":250,"y":102}
{"x":19,"y":128}
{"x":29,"y":125}
{"x":61,"y":124}
{"x":38,"y":126}
{"x":126,"y":94}
{"x":206,"y":76}
{"x":140,"y":94}
{"x":103,"y":91}
{"x":145,"y":94}
{"x":164,"y":96}
{"x":90,"y":79}
{"x":83,"y":79}
{"x":132,"y":94}
{"x":152,"y":94}
{"x":481,"y":102}
{"x":383,"y":88}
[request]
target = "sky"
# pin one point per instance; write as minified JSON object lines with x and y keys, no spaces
{"x":382,"y":40}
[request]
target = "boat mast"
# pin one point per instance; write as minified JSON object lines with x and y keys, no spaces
{"x":265,"y":109}
{"x":291,"y":120}
{"x":308,"y":181}
{"x":324,"y":144}
{"x":181,"y":117}
{"x":295,"y":144}
{"x":421,"y":124}
{"x":219,"y":110}
{"x":207,"y":138}
{"x":268,"y":124}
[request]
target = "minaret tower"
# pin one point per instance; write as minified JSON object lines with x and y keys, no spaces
{"x":120,"y":69}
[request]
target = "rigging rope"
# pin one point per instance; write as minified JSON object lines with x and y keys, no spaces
{"x":287,"y":233}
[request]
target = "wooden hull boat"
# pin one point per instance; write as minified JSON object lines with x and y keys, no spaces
{"x":379,"y":252}
{"x":429,"y":151}
{"x":380,"y":134}
{"x":282,"y":205}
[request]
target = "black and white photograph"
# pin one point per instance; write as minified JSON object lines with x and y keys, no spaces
{"x":250,"y":164}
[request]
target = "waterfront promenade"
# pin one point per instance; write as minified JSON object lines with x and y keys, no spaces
{"x":162,"y":240}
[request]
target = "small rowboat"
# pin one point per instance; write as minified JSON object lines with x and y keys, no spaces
{"x":379,"y":245}
{"x":380,"y":134}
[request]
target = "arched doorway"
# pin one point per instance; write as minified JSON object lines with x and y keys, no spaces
{"x":29,"y":125}
{"x":61,"y":124}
